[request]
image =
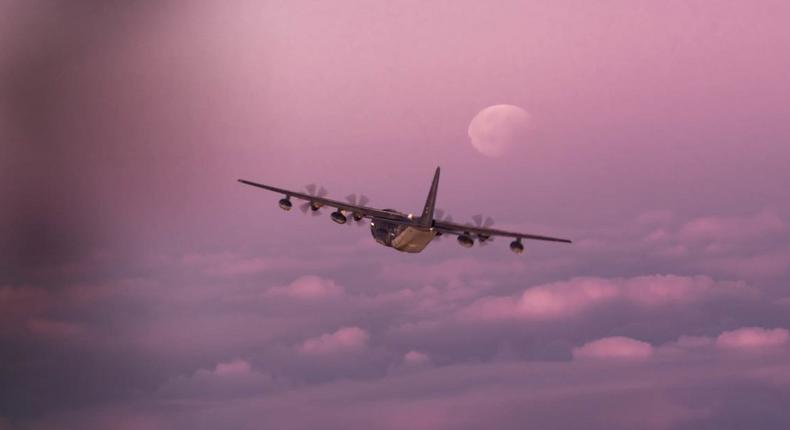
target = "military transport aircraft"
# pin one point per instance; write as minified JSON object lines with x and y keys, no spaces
{"x":403,"y":232}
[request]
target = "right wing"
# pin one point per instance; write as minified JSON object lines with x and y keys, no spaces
{"x":363,"y":211}
{"x":457,"y":229}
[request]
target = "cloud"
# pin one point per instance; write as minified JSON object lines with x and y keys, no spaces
{"x":416,"y":358}
{"x":345,"y":339}
{"x":411,"y":361}
{"x":230,"y":379}
{"x":14,"y":297}
{"x":308,"y":287}
{"x":733,"y":229}
{"x":54,"y":329}
{"x":568,"y":299}
{"x":689,"y":342}
{"x":761,"y":265}
{"x":617,"y":347}
{"x":234,"y":367}
{"x":749,"y":247}
{"x":653,"y":394}
{"x":659,"y":217}
{"x":232,"y":265}
{"x":752,"y":338}
{"x":740,"y":339}
{"x":451,"y":270}
{"x":18,"y":305}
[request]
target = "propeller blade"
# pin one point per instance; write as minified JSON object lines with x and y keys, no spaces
{"x":355,"y":200}
{"x":362,"y":200}
{"x":314,"y":190}
{"x":440,"y":215}
{"x":488,"y":222}
{"x":483,"y":223}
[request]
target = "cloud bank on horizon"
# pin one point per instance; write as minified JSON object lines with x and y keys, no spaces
{"x":142,"y":288}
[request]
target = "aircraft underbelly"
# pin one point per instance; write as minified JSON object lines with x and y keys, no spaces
{"x":413,"y":239}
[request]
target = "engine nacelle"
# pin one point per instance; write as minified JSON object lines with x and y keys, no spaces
{"x":465,"y":241}
{"x":516,"y":246}
{"x":338,"y":217}
{"x":285,"y":204}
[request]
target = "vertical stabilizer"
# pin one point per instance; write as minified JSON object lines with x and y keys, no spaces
{"x":426,"y":219}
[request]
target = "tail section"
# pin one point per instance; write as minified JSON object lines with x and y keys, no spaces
{"x":426,"y":219}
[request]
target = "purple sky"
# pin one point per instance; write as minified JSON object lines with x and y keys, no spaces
{"x":141,"y":287}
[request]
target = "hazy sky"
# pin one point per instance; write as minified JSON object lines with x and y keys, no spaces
{"x":142,"y":287}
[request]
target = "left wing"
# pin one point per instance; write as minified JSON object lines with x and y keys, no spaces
{"x":458,"y":229}
{"x":363,"y":211}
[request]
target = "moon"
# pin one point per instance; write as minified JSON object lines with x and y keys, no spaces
{"x":495,"y":129}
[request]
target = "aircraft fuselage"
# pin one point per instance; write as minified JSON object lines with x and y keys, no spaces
{"x":402,"y":237}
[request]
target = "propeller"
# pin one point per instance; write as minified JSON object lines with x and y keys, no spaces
{"x":357,"y":200}
{"x":315,"y":191}
{"x":439,"y":215}
{"x":481,"y":222}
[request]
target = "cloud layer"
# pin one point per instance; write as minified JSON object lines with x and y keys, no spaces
{"x":142,"y":287}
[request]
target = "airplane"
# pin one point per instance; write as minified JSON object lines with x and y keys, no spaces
{"x":400,"y":231}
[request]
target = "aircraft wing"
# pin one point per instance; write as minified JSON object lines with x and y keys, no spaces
{"x":451,"y":228}
{"x":364,"y":211}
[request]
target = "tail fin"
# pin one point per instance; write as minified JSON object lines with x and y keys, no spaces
{"x":426,"y":219}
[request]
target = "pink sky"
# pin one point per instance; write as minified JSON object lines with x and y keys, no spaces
{"x":141,"y":286}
